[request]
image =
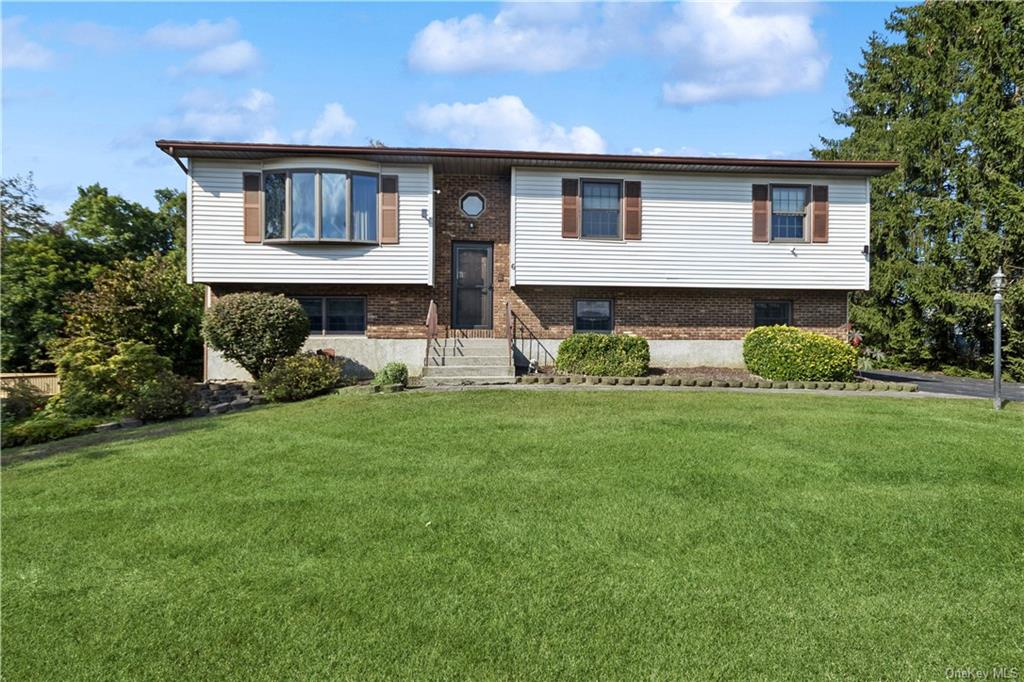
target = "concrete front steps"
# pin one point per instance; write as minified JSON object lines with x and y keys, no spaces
{"x":458,"y":362}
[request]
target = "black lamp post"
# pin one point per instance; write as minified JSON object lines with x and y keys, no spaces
{"x":998,"y":280}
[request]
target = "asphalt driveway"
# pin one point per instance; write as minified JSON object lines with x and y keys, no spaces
{"x":937,"y":383}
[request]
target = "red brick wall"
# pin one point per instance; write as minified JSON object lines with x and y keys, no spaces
{"x":399,"y":311}
{"x":393,"y":311}
{"x":678,"y":313}
{"x":492,"y":226}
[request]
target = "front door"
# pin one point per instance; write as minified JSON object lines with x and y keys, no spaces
{"x":471,"y":285}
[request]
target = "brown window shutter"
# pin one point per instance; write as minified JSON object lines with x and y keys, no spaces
{"x":570,"y":208}
{"x":389,"y":209}
{"x":819,"y":215}
{"x":253,"y":231}
{"x":762,"y":212}
{"x":632,"y":213}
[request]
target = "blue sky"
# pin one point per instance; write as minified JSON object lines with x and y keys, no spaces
{"x":88,"y":87}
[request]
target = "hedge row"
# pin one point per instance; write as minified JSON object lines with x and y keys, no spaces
{"x":733,"y":383}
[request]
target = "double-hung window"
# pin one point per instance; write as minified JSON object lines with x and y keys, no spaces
{"x":600,"y":212}
{"x":335,"y":314}
{"x":789,"y":213}
{"x":320,"y":205}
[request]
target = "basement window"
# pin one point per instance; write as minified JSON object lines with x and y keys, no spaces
{"x":335,"y":314}
{"x":768,"y":313}
{"x":320,"y":206}
{"x":593,"y":316}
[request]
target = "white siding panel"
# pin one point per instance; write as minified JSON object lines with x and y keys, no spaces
{"x":219,"y":254}
{"x":696,"y":233}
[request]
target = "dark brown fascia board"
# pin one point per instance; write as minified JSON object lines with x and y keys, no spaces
{"x":182,"y":148}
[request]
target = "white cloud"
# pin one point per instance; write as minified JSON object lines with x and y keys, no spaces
{"x":333,"y":123}
{"x":96,"y":36}
{"x":502,"y":123}
{"x":226,"y":60}
{"x":720,"y":50}
{"x":201,"y":34}
{"x":18,"y":51}
{"x":209,"y":115}
{"x":727,"y":51}
{"x":526,"y":37}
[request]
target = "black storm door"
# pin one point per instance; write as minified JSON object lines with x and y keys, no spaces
{"x":472,"y":273}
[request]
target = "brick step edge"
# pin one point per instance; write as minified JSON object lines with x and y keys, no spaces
{"x":717,"y":383}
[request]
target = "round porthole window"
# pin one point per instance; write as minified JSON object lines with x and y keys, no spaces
{"x":472,"y":204}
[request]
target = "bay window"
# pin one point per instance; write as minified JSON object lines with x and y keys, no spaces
{"x":320,"y":205}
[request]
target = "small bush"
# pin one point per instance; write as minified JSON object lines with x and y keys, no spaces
{"x":23,"y":400}
{"x":45,"y":427}
{"x":604,"y":355}
{"x":131,"y":378}
{"x":788,"y":354}
{"x":165,"y":398}
{"x":255,"y":330}
{"x":392,"y":373}
{"x":299,"y":377}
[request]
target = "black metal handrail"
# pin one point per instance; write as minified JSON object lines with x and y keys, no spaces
{"x":520,"y":335}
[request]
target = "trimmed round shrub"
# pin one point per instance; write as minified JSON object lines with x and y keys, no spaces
{"x":604,"y":355}
{"x":255,"y":329}
{"x":299,"y":377}
{"x":392,"y":373}
{"x":782,"y":353}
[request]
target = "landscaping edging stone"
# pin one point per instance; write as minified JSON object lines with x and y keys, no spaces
{"x":717,"y":383}
{"x":213,"y":397}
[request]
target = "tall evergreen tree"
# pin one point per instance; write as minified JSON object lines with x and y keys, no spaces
{"x":945,"y":99}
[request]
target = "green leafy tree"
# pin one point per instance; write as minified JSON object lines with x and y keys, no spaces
{"x":944,"y":99}
{"x":21,"y":214}
{"x":147,"y":301}
{"x":125,"y":229}
{"x":37,"y":274}
{"x":44,"y":262}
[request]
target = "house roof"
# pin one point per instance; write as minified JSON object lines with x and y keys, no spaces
{"x":499,"y":162}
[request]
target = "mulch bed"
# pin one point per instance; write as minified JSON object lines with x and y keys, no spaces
{"x":713,"y":373}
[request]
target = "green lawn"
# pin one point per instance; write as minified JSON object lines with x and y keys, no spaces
{"x":527,"y":534}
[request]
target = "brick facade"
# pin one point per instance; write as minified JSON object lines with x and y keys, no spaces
{"x":393,"y":311}
{"x":399,"y":311}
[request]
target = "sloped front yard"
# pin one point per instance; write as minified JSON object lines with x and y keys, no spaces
{"x":527,"y":534}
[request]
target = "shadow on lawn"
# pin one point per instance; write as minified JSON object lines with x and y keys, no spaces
{"x":29,"y":453}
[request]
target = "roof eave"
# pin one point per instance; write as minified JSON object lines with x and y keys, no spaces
{"x":500,"y":158}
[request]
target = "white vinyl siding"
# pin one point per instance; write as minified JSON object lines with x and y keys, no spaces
{"x":218,"y":253}
{"x":697,"y":232}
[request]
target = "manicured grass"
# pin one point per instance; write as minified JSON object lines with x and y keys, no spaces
{"x":533,"y":535}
